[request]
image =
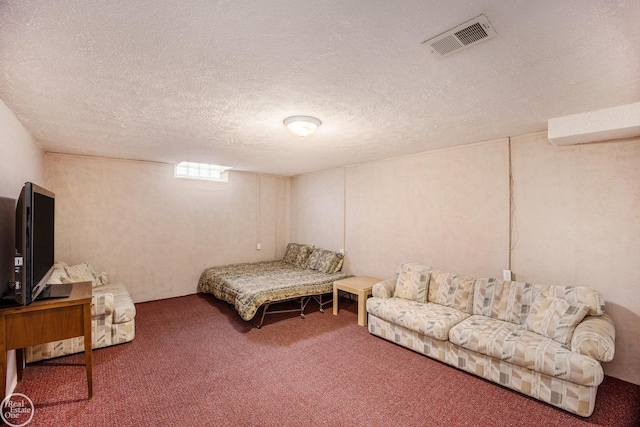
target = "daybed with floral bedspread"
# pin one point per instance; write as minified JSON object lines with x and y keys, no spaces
{"x":545,"y":341}
{"x":304,"y":273}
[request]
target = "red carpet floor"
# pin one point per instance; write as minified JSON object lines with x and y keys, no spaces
{"x":194,"y":362}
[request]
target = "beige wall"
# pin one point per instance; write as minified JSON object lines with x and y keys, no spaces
{"x":156,"y":233}
{"x":577,"y":212}
{"x":21,"y":160}
{"x":576,"y":219}
{"x":317,"y":209}
{"x":447,"y":208}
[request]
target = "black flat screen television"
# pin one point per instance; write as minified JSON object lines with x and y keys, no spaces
{"x":35,"y":218}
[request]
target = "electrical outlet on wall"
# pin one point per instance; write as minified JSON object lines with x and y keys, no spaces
{"x":506,"y":274}
{"x":258,"y":246}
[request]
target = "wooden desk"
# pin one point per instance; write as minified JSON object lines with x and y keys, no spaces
{"x":361,"y":286}
{"x":45,"y":321}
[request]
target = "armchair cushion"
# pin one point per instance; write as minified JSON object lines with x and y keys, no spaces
{"x":102,"y":304}
{"x":384,"y":289}
{"x":82,"y":273}
{"x":124,"y":310}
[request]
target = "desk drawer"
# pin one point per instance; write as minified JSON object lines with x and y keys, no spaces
{"x":36,"y":327}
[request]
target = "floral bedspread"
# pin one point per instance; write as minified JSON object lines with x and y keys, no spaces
{"x":247,"y":286}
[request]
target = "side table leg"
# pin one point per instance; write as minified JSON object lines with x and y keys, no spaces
{"x":335,"y":300}
{"x":362,"y":308}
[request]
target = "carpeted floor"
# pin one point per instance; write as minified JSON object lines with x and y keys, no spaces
{"x":194,"y":362}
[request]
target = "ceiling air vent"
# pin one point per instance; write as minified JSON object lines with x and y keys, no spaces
{"x":461,"y":37}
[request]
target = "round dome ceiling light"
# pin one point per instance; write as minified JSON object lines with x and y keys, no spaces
{"x":302,"y":125}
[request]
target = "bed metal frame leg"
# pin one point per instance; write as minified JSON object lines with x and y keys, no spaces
{"x":318,"y":299}
{"x":265,"y":309}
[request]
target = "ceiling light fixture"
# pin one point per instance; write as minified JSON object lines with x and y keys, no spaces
{"x":302,"y":125}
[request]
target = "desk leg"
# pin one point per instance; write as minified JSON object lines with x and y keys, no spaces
{"x":20,"y":362}
{"x":3,"y":356}
{"x":335,"y":300}
{"x":87,"y":348}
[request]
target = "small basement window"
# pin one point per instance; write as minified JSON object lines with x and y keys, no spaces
{"x":202,"y":171}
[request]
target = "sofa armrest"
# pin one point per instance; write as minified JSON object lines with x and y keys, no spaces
{"x":101,"y":303}
{"x":595,"y":337}
{"x":384,"y":289}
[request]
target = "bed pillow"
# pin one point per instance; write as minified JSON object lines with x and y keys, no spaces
{"x":555,"y":318}
{"x":312,"y":261}
{"x":297,"y":254}
{"x":329,"y":261}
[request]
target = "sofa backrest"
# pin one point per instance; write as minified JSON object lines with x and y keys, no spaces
{"x":412,"y":281}
{"x":503,"y":300}
{"x":511,"y":301}
{"x":451,"y":290}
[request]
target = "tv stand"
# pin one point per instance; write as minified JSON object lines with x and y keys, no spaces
{"x":45,"y":321}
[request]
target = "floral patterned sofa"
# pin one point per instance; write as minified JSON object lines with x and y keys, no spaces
{"x":112,"y":313}
{"x":544,"y":341}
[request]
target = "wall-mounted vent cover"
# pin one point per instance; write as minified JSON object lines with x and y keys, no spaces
{"x":461,"y":37}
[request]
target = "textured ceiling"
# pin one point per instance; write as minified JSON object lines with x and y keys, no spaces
{"x":212,"y":81}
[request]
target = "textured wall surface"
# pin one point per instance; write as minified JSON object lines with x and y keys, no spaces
{"x":577,"y":222}
{"x":21,"y":159}
{"x":156,"y":233}
{"x":447,"y":209}
{"x":317,"y":209}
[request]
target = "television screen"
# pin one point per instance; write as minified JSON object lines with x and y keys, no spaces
{"x":35,"y":219}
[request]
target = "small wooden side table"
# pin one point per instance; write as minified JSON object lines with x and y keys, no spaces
{"x":361,"y":286}
{"x":45,"y":321}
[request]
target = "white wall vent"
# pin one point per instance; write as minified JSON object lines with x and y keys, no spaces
{"x":461,"y":37}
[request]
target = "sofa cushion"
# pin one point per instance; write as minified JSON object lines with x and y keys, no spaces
{"x":503,"y":300}
{"x":575,"y":294}
{"x":432,"y":320}
{"x":297,"y":254}
{"x":595,"y":337}
{"x":101,"y":304}
{"x":82,"y":273}
{"x":451,"y":290}
{"x":123,"y":308}
{"x":59,"y":274}
{"x":555,"y":318}
{"x":412,"y":281}
{"x":514,"y":344}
